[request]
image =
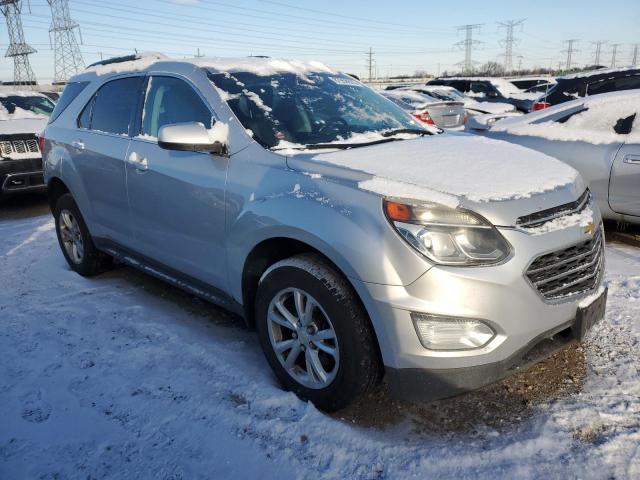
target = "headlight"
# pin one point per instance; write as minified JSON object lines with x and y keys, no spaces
{"x":448,"y":236}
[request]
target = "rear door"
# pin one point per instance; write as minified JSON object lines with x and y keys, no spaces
{"x":99,"y":148}
{"x":177,"y":198}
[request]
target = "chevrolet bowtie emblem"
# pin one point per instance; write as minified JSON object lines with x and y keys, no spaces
{"x":590,"y":228}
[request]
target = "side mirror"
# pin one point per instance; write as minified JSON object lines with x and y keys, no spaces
{"x":194,"y":137}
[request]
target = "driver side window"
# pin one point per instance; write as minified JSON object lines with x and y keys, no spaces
{"x":170,"y":100}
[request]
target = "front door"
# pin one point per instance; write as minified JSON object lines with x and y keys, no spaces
{"x":177,"y":198}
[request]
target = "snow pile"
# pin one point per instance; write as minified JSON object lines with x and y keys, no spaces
{"x":12,"y":126}
{"x":593,"y":125}
{"x":444,"y":168}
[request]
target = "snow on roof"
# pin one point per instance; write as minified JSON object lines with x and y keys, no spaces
{"x":593,"y":125}
{"x":444,"y":168}
{"x":257,"y":65}
{"x":261,"y":66}
{"x":602,"y":71}
{"x":142,"y":61}
{"x":410,"y":96}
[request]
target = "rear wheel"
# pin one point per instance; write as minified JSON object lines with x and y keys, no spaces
{"x":315,"y":333}
{"x":75,"y":241}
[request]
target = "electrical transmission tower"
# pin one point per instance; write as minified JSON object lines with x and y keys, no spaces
{"x":634,"y":55}
{"x":468,"y":43}
{"x":370,"y":63}
{"x":18,"y":49}
{"x":598,"y":51}
{"x":570,"y":51}
{"x":614,"y":54}
{"x":509,"y":41}
{"x":68,"y":59}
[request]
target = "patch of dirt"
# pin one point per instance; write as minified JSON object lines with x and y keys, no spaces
{"x":498,"y":405}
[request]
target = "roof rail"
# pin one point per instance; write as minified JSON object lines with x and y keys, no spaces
{"x":129,"y":58}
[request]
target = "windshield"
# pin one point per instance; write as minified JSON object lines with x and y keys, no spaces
{"x":37,"y":105}
{"x":313,"y":109}
{"x":448,"y":95}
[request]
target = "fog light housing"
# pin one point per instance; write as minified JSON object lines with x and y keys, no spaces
{"x":437,"y":332}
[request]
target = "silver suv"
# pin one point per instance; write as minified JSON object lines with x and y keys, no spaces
{"x":358,"y":243}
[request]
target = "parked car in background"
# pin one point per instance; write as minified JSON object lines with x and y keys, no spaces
{"x":527,"y":83}
{"x":597,"y":135}
{"x":490,"y":90}
{"x":357,"y":243}
{"x":450,"y":94}
{"x":53,"y":96}
{"x":23,"y":115}
{"x":428,"y":109}
{"x":593,"y":82}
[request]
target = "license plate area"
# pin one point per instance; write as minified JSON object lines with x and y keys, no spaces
{"x":587,"y":317}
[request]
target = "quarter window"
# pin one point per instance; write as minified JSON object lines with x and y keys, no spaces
{"x":111,"y":108}
{"x":171,"y":100}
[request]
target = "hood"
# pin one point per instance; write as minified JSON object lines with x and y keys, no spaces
{"x":23,"y":125}
{"x":499,"y":180}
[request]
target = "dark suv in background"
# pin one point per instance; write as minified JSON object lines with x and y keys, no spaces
{"x":490,"y":90}
{"x":593,"y":82}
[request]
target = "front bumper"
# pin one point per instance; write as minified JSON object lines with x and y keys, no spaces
{"x":21,"y":176}
{"x":499,"y":295}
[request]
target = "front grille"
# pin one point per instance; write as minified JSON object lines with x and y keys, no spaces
{"x":10,"y":147}
{"x":570,"y":271}
{"x":540,"y":218}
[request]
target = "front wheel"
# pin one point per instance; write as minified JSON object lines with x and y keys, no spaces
{"x":315,"y":333}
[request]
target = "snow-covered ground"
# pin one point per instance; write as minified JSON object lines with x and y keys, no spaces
{"x":120,"y":376}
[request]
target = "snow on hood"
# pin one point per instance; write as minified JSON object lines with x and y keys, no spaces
{"x":447,"y":168}
{"x":23,"y":125}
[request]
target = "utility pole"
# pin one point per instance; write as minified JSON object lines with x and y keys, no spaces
{"x":634,"y":55}
{"x":598,"y":51}
{"x":68,"y":59}
{"x":570,"y":51}
{"x":509,"y":41}
{"x":370,"y":63}
{"x":468,"y":43}
{"x":614,"y":53}
{"x":18,"y":49}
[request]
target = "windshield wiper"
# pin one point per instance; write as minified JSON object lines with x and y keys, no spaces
{"x":417,"y":131}
{"x":345,"y":146}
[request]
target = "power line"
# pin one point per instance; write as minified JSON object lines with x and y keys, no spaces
{"x":598,"y":51}
{"x":468,"y":43}
{"x":509,"y":41}
{"x":570,"y":51}
{"x":68,"y":59}
{"x":614,"y":53}
{"x":18,"y":49}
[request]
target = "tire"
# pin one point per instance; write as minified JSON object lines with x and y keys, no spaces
{"x":70,"y":227}
{"x":354,"y":367}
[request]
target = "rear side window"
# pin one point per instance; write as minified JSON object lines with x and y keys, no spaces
{"x":70,"y":92}
{"x":169,"y":101}
{"x":112,"y":107}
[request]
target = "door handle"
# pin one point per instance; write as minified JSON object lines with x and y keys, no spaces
{"x":78,"y":144}
{"x":633,"y":159}
{"x":140,"y":163}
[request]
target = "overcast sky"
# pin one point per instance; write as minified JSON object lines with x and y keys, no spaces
{"x":405,"y":35}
